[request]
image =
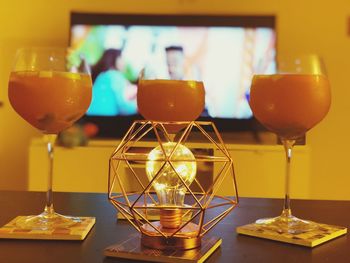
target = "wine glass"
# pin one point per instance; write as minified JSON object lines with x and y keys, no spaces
{"x":51,"y":94}
{"x":165,"y":100}
{"x":289,"y":104}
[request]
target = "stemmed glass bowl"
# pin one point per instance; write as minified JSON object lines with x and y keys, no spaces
{"x":289,"y":104}
{"x":50,"y":94}
{"x":170,"y":100}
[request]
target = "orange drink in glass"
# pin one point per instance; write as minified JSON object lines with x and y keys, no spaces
{"x":50,"y":101}
{"x":289,"y":104}
{"x":170,"y":100}
{"x":50,"y":93}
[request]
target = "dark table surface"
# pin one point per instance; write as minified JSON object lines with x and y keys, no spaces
{"x":107,"y":231}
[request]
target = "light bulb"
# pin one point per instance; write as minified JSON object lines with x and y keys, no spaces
{"x":168,"y":186}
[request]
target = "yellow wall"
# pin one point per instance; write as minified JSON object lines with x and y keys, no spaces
{"x":303,"y":26}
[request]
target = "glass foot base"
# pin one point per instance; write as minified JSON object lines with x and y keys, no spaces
{"x":287,"y":224}
{"x":47,"y":221}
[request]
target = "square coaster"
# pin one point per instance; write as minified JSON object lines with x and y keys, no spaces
{"x":320,"y":235}
{"x":132,"y":249}
{"x":76,"y":232}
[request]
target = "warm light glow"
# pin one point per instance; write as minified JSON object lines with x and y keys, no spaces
{"x":169,"y":188}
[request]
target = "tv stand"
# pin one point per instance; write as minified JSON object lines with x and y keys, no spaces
{"x":259,"y":168}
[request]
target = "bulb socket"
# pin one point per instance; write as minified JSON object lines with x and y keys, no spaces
{"x":171,"y":218}
{"x":187,"y":238}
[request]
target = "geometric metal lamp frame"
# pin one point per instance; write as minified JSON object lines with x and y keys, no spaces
{"x":137,"y":201}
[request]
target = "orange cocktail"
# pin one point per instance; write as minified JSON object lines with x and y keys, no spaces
{"x":290,"y":104}
{"x":51,"y":101}
{"x":170,"y":100}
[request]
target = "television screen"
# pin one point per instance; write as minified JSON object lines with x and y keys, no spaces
{"x":222,"y":51}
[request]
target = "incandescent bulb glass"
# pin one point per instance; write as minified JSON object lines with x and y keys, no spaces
{"x":168,"y":186}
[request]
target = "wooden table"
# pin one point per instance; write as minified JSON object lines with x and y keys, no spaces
{"x":107,"y":231}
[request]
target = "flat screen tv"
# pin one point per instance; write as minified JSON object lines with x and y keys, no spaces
{"x":222,"y":51}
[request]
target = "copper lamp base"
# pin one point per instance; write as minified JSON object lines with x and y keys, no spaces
{"x":185,"y":239}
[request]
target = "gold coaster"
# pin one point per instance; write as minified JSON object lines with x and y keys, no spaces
{"x":76,"y":232}
{"x":131,"y":248}
{"x":309,"y":239}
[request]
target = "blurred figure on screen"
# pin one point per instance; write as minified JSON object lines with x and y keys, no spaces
{"x":175,"y":59}
{"x":178,"y":67}
{"x":112,"y":93}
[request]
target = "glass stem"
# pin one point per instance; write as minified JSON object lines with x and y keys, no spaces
{"x":50,"y":142}
{"x":288,"y":147}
